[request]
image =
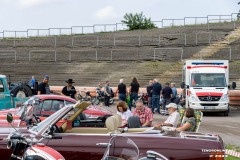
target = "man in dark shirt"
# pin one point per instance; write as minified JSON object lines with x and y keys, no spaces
{"x":156,"y":90}
{"x":69,"y":90}
{"x":149,"y":93}
{"x":166,"y":95}
{"x":133,"y":91}
{"x":43,"y":87}
{"x":107,"y":93}
{"x":121,"y":90}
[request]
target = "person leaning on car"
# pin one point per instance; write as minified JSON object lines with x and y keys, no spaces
{"x":69,"y":90}
{"x":173,"y":117}
{"x":43,"y":87}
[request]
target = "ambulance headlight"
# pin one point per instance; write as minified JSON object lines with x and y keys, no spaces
{"x":224,"y":98}
{"x":193,"y":98}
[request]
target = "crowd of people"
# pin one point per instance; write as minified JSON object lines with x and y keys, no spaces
{"x":142,"y":115}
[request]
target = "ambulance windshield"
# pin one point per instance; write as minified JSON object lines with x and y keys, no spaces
{"x":208,"y":80}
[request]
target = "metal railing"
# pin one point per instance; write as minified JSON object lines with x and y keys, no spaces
{"x":115,"y":54}
{"x":111,"y":27}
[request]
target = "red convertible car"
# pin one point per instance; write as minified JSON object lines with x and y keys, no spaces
{"x":90,"y":142}
{"x":45,"y":105}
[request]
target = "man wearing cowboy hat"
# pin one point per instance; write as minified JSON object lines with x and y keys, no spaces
{"x":69,"y":90}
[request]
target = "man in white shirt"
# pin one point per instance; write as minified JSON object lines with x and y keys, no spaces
{"x":173,"y":118}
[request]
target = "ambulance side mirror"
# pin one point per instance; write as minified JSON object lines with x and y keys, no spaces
{"x":234,"y":85}
{"x":182,"y":85}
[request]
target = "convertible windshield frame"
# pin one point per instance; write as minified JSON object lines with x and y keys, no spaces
{"x":51,"y":120}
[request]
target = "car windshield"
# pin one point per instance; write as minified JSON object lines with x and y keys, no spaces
{"x":31,"y":101}
{"x":51,"y":120}
{"x":208,"y":80}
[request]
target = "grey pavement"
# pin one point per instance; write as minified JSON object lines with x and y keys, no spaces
{"x":227,"y":127}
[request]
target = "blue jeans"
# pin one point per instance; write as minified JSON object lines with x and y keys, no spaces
{"x":133,"y":96}
{"x":122,"y":97}
{"x":155,"y":103}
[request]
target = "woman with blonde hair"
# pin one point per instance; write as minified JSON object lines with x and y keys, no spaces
{"x":123,"y":111}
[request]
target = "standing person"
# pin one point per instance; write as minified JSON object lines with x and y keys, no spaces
{"x":174,"y":91}
{"x":32,"y":81}
{"x":166,"y":95}
{"x":33,"y":84}
{"x":144,"y":113}
{"x":121,"y":90}
{"x":133,"y":91}
{"x":156,"y":90}
{"x":69,"y":90}
{"x":43,"y":87}
{"x":149,"y":93}
{"x":107,"y":93}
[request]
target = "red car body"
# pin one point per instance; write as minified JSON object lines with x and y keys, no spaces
{"x":92,"y":112}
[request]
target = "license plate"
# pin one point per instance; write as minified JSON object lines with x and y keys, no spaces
{"x":209,"y":107}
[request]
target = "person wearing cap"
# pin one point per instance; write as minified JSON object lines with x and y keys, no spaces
{"x":43,"y":87}
{"x":173,"y":117}
{"x":69,"y":90}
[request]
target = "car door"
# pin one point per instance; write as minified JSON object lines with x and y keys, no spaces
{"x":80,"y":146}
{"x":5,"y":98}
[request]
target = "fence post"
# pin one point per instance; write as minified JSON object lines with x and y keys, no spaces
{"x":230,"y":53}
{"x":196,"y":39}
{"x":29,"y":56}
{"x":70,"y":56}
{"x":82,"y":29}
{"x":72,"y":40}
{"x":55,"y":41}
{"x":159,"y":40}
{"x":182,"y":54}
{"x":55,"y":55}
{"x":96,"y":55}
{"x":114,"y":41}
{"x":97,"y":41}
{"x":15,"y":56}
{"x":111,"y":55}
{"x":139,"y":40}
{"x":185,"y":36}
{"x":154,"y":54}
{"x":209,"y":38}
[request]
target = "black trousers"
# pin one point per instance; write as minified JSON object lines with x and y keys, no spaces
{"x":107,"y":98}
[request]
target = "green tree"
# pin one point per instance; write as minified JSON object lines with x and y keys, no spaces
{"x":137,"y":21}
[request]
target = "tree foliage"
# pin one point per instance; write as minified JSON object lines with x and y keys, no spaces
{"x":137,"y":21}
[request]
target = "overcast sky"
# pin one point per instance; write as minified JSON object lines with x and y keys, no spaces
{"x":27,"y":14}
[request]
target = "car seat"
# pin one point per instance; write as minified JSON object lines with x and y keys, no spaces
{"x":134,"y":122}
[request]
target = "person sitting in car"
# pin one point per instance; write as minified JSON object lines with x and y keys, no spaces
{"x":144,"y":113}
{"x":123,"y":111}
{"x":189,"y":123}
{"x":173,"y":118}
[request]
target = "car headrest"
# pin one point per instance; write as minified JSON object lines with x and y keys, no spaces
{"x":118,"y":120}
{"x":110,"y":123}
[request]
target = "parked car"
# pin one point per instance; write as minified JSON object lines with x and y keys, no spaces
{"x":45,"y":105}
{"x":90,"y":143}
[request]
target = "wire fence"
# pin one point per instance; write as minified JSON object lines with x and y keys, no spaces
{"x":161,"y":40}
{"x":96,"y":28}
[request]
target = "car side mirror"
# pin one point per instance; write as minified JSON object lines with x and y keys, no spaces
{"x":234,"y":85}
{"x":182,"y":85}
{"x":9,"y":117}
